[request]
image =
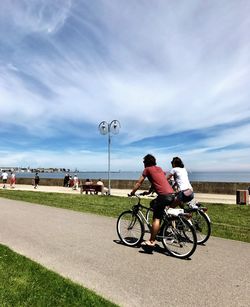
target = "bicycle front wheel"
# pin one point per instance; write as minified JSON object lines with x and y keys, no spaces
{"x":179,"y":238}
{"x":130,"y":228}
{"x":202,"y":226}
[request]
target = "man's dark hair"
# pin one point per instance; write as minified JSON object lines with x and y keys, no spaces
{"x":177,"y":162}
{"x":149,"y":160}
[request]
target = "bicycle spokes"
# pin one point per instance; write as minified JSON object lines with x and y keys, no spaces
{"x":179,"y":238}
{"x":130,"y":228}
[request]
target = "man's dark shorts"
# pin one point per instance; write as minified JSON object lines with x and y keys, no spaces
{"x":160,"y":203}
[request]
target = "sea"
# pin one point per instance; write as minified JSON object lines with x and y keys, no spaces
{"x":133,"y":175}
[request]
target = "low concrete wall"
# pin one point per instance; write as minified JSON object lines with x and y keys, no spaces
{"x":229,"y":188}
{"x":219,"y":187}
{"x":199,"y":187}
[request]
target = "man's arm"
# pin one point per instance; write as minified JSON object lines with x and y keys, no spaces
{"x":137,"y":185}
{"x":151,"y":190}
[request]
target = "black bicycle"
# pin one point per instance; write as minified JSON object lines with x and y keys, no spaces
{"x":199,"y":218}
{"x":177,"y":234}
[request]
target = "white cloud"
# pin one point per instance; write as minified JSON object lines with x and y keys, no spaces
{"x":159,"y":68}
{"x":29,"y":16}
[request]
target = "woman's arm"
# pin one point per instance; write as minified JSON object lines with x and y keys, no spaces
{"x":169,"y":176}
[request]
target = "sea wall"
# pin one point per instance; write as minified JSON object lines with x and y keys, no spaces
{"x":199,"y":186}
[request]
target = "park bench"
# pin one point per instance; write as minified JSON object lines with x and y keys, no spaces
{"x":92,"y":188}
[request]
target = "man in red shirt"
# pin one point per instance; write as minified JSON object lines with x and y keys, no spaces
{"x":165,"y":193}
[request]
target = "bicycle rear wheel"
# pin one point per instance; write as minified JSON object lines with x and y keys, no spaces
{"x":202,"y":226}
{"x":179,"y":238}
{"x":130,"y":228}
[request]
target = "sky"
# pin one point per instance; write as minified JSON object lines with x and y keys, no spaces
{"x":175,"y":74}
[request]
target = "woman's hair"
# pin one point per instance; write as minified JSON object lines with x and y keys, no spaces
{"x":176,"y":162}
{"x":149,"y":160}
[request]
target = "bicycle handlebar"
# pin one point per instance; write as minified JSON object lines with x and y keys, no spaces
{"x":137,"y":194}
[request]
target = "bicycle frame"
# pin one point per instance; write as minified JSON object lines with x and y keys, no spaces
{"x":137,"y":210}
{"x":165,"y":219}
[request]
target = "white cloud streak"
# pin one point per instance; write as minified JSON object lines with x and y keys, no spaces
{"x":160,"y":68}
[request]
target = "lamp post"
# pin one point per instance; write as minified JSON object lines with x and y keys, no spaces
{"x":108,"y":128}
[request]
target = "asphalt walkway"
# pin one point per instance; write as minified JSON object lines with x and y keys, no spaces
{"x":202,"y":197}
{"x":85,"y":248}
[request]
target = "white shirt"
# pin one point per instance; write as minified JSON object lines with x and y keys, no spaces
{"x":181,"y":178}
{"x":5,"y":175}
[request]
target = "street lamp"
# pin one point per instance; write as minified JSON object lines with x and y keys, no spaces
{"x":108,"y":128}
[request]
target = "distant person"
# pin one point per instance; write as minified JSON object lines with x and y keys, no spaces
{"x":71,"y":182}
{"x":88,"y":182}
{"x":66,"y":180}
{"x":4,"y":178}
{"x":12,"y":180}
{"x":36,"y":180}
{"x":75,"y":182}
{"x":104,"y":189}
{"x":180,"y":176}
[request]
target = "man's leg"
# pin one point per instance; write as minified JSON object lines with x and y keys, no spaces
{"x":154,"y":230}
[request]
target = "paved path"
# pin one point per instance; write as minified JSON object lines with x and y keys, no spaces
{"x":84,"y":247}
{"x":202,"y":197}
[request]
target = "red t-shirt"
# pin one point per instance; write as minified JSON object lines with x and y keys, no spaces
{"x":158,"y":180}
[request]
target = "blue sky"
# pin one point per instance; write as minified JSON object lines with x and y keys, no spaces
{"x":174,"y":73}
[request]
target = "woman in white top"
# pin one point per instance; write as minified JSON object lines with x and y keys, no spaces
{"x":180,"y":176}
{"x":76,"y":181}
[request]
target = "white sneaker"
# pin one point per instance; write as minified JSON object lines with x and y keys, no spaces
{"x":193,"y":206}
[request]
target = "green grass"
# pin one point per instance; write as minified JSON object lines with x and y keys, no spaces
{"x":228,"y":221}
{"x":97,"y":204}
{"x":26,"y":283}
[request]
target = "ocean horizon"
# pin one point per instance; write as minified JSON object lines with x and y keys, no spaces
{"x":134,"y":175}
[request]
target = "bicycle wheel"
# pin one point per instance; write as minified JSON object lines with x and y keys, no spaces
{"x":179,"y":238}
{"x":130,"y":228}
{"x":202,"y":226}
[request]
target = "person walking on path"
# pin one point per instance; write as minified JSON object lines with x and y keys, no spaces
{"x":12,"y":180}
{"x":76,"y":182}
{"x":5,"y":178}
{"x":66,"y":181}
{"x":165,"y":193}
{"x":36,"y":180}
